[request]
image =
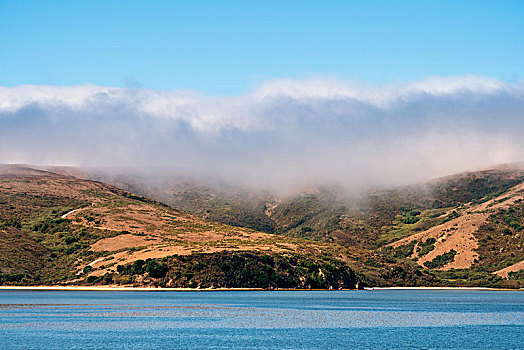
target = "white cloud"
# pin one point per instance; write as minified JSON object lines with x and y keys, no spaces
{"x":316,"y":130}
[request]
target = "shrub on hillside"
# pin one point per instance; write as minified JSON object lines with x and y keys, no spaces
{"x":441,"y":260}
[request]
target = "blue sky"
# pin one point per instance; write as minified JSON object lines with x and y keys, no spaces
{"x":229,"y":47}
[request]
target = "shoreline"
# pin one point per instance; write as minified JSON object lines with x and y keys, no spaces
{"x":153,"y":289}
{"x":445,"y":288}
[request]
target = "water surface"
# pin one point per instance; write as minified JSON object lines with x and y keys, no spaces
{"x":439,"y":319}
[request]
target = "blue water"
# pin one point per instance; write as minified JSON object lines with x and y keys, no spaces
{"x":271,"y":320}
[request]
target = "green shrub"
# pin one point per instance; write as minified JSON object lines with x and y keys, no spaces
{"x":92,"y":279}
{"x":441,"y":260}
{"x":427,"y":246}
{"x":73,"y":248}
{"x":403,"y":251}
{"x":306,"y":229}
{"x":409,"y":219}
{"x":156,"y":269}
{"x":70,"y":239}
{"x":108,"y":278}
{"x":516,"y":275}
{"x":10,"y":277}
{"x":135,"y":197}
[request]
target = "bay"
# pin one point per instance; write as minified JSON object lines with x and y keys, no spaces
{"x":418,"y":319}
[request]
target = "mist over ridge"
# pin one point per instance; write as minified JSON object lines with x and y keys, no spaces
{"x":283,"y":134}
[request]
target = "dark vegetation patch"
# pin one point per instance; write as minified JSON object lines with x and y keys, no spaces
{"x":453,"y":215}
{"x":8,"y":278}
{"x":501,"y":239}
{"x":474,"y":187}
{"x":233,"y":208}
{"x":403,"y":251}
{"x":405,"y":274}
{"x":472,"y":278}
{"x":441,"y":260}
{"x":153,"y":268}
{"x":243,"y":270}
{"x":321,"y":217}
{"x":516,"y":275}
{"x":424,"y":247}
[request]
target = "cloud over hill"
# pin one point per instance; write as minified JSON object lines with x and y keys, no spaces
{"x":283,"y":133}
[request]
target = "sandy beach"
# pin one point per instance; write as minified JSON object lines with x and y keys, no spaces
{"x":117,"y":288}
{"x":151,"y":289}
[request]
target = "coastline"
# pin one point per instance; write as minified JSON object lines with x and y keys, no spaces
{"x":122,"y":289}
{"x":152,"y":289}
{"x":444,"y":288}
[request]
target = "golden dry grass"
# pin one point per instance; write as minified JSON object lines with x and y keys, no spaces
{"x":458,"y":233}
{"x":513,"y":268}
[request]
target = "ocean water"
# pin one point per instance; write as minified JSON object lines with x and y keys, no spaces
{"x":393,"y":319}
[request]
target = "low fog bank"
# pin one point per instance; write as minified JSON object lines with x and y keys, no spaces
{"x":284,"y":135}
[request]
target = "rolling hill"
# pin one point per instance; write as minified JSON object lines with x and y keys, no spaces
{"x":58,"y":229}
{"x":480,"y":212}
{"x":462,"y":230}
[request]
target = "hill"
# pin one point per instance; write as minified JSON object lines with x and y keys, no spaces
{"x":58,"y":229}
{"x":481,"y":213}
{"x":463,"y":230}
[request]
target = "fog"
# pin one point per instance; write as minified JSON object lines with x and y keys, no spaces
{"x":283,"y":134}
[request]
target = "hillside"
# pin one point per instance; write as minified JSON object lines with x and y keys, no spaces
{"x":463,"y":230}
{"x":58,"y":229}
{"x":480,"y":212}
{"x":325,"y":213}
{"x":482,"y":237}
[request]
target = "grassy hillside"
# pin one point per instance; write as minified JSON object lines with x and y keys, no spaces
{"x":57,"y":229}
{"x":464,"y":230}
{"x":477,"y":240}
{"x":327,"y":214}
{"x":378,"y":220}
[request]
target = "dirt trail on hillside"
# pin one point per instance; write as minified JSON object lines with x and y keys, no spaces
{"x":72,"y":212}
{"x":513,"y":268}
{"x":458,"y":233}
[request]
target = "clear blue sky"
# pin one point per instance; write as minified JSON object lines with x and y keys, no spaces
{"x":227,"y":47}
